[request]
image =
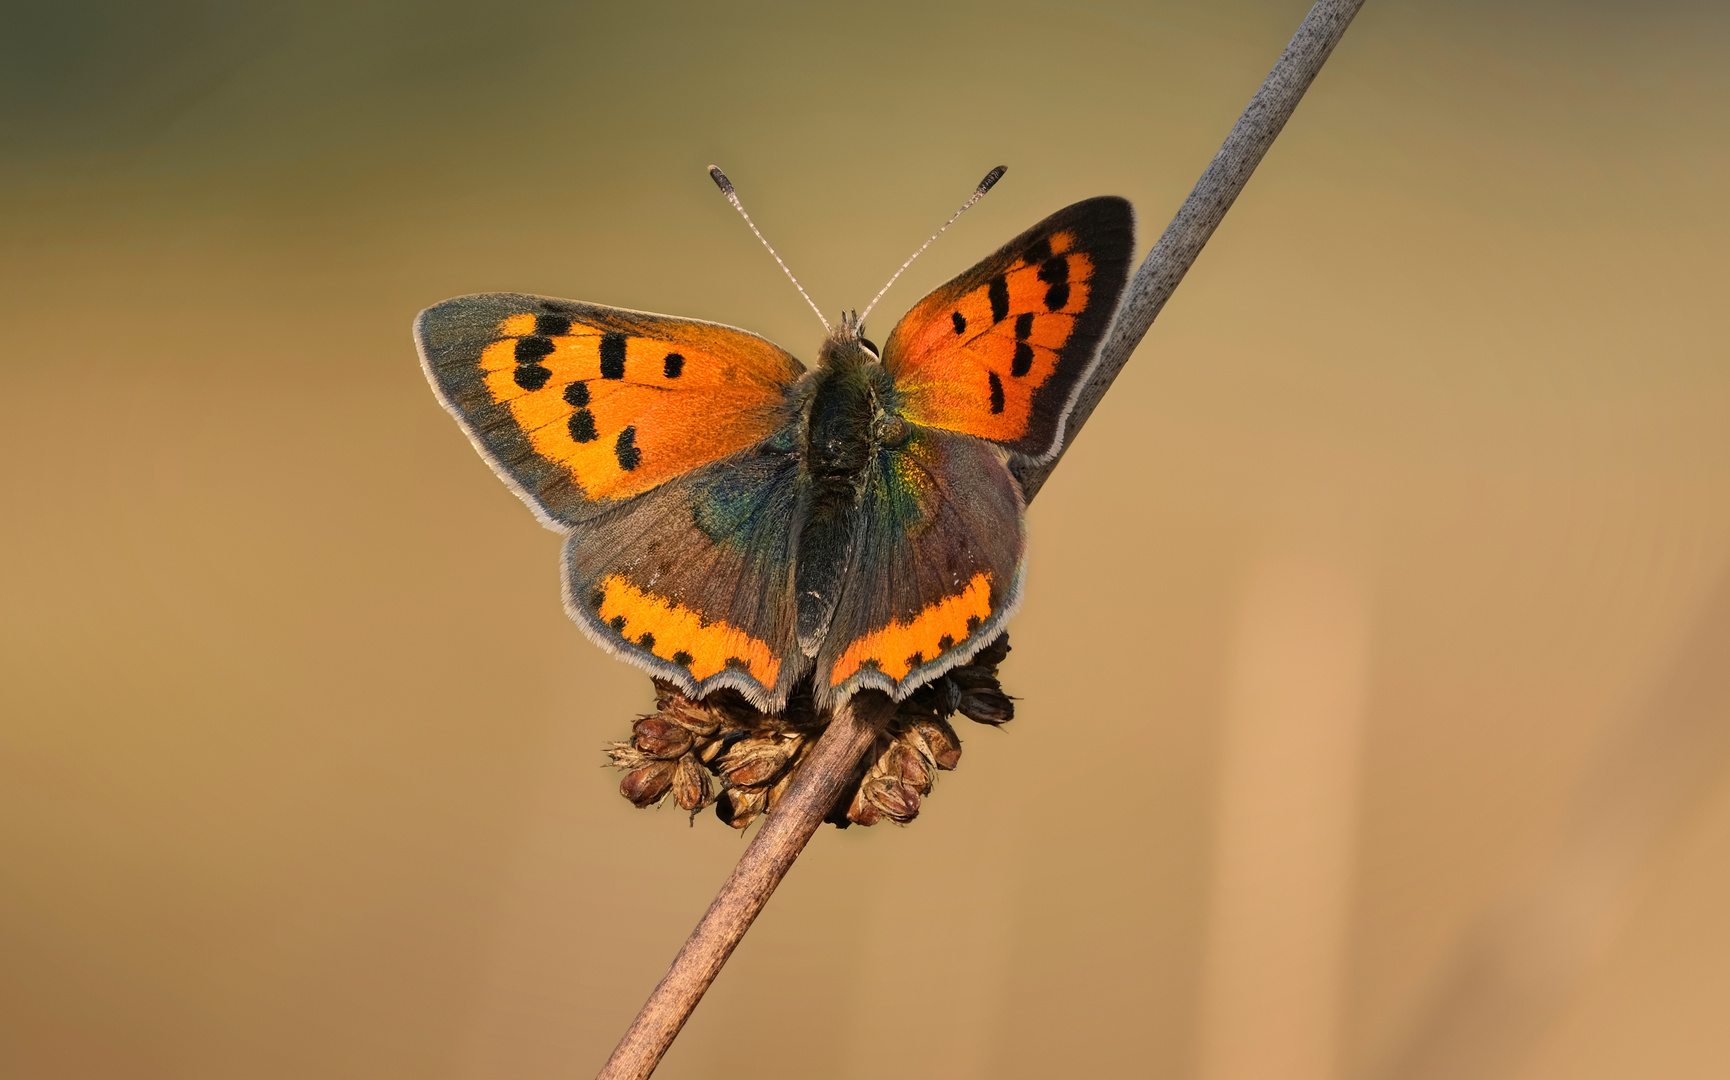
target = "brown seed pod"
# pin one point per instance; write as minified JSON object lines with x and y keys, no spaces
{"x":648,"y":785}
{"x":941,"y":743}
{"x":738,"y":806}
{"x":862,"y":811}
{"x":757,"y":760}
{"x":691,"y":785}
{"x":660,"y":738}
{"x":986,"y":706}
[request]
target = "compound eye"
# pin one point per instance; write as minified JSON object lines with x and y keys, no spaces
{"x":871,"y":347}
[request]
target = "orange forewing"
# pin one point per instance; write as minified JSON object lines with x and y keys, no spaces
{"x":1000,"y":351}
{"x":682,"y":396}
{"x":581,"y":406}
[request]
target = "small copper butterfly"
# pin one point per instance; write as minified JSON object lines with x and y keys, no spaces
{"x":734,"y":519}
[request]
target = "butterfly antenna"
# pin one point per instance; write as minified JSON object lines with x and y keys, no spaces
{"x":978,"y":193}
{"x":726,"y":187}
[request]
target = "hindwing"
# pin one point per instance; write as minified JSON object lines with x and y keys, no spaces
{"x":693,"y":580}
{"x":936,"y":570}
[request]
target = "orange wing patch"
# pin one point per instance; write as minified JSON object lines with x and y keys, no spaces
{"x":975,"y":366}
{"x":900,"y":647}
{"x":623,"y":412}
{"x":681,"y":636}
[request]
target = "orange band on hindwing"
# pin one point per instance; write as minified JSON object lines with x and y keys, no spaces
{"x":900,"y":647}
{"x":682,"y":636}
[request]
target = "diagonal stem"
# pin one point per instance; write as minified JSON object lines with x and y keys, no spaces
{"x":823,"y":775}
{"x":816,"y":786}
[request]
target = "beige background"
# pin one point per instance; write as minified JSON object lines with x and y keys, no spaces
{"x":1375,"y":671}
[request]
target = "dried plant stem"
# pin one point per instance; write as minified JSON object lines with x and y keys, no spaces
{"x":832,"y":762}
{"x":816,"y":786}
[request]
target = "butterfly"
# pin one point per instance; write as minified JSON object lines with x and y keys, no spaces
{"x":733,"y":518}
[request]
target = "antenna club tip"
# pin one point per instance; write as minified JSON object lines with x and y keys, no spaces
{"x":991,"y":178}
{"x":720,"y":179}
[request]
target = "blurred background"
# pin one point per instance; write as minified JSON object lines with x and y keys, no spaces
{"x":1375,"y":668}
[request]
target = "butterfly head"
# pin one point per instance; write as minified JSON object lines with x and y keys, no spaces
{"x":846,"y":344}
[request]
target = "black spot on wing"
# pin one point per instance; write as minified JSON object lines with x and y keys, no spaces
{"x":1038,"y":251}
{"x":577,"y":395}
{"x":960,"y":322}
{"x":915,"y":660}
{"x":531,"y":350}
{"x":673,"y":366}
{"x":972,"y":623}
{"x":596,"y":599}
{"x":1024,"y":326}
{"x":1055,"y":272}
{"x":582,"y":425}
{"x":683,"y":658}
{"x":552,"y":325}
{"x":737,"y":663}
{"x":996,"y":392}
{"x":998,"y":292}
{"x":618,"y":624}
{"x":626,"y":449}
{"x":613,"y":356}
{"x":1023,"y":362}
{"x":945,"y":643}
{"x":532,"y":377}
{"x":646,"y":642}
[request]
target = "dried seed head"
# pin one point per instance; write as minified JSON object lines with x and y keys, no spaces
{"x":888,"y":798}
{"x":862,"y":811}
{"x":660,"y":738}
{"x":648,"y":785}
{"x":697,"y":717}
{"x":910,"y":766}
{"x":941,"y":743}
{"x":758,"y":760}
{"x":993,"y":654}
{"x":691,"y":784}
{"x":627,"y":756}
{"x":986,"y":705}
{"x":720,"y":749}
{"x":738,"y":806}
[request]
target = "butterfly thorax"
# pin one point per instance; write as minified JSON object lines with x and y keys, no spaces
{"x":848,"y":412}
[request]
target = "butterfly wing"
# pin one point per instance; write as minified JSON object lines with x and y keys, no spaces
{"x":579,"y":406}
{"x":693,"y":580}
{"x":936,"y":571}
{"x":1001,"y":351}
